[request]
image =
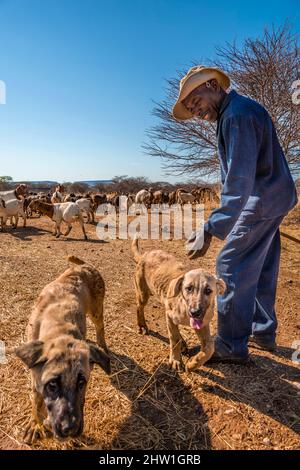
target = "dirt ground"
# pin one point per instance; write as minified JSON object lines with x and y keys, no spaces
{"x":144,"y":405}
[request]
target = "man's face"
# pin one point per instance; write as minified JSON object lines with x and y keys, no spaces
{"x":204,"y":101}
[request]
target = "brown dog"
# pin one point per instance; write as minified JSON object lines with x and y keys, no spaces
{"x":57,"y":354}
{"x":188,"y":297}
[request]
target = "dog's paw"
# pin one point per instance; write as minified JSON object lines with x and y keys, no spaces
{"x":191,"y":365}
{"x":176,"y":365}
{"x":143,"y":330}
{"x":33,"y":432}
{"x":189,"y":368}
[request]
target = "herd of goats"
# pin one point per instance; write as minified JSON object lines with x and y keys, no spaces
{"x":68,"y":208}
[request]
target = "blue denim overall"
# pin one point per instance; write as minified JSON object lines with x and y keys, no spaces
{"x":258,"y":190}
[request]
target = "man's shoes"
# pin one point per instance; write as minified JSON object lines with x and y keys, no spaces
{"x":216,"y":357}
{"x":223,"y":354}
{"x":262,"y":344}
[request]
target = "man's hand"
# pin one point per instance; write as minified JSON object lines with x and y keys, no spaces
{"x":194,"y":253}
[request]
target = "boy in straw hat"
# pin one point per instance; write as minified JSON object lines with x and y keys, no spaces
{"x":258,"y":191}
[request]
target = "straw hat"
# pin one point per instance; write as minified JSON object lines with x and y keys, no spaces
{"x":195,"y":77}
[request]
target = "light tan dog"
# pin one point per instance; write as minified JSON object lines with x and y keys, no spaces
{"x":57,"y":354}
{"x":188,"y":297}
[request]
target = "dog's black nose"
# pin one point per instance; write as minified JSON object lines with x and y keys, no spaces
{"x":196,"y":312}
{"x":68,"y":426}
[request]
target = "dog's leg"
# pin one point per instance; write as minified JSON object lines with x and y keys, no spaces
{"x":184,"y":348}
{"x":97,"y":319}
{"x":142,"y":297}
{"x":207,"y":349}
{"x":175,"y":359}
{"x":35,"y":429}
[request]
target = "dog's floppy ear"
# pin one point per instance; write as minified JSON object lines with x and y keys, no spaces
{"x":221,"y":286}
{"x":175,"y":286}
{"x":99,"y":357}
{"x":30,"y":353}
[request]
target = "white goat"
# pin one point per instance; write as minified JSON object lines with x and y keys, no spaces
{"x":11,"y":208}
{"x":86,"y":205}
{"x":67,"y":212}
{"x":143,"y":197}
{"x":57,"y":197}
{"x":14,"y":193}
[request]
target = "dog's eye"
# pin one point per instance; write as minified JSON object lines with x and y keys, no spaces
{"x":81,"y":381}
{"x":189,"y":288}
{"x":53,"y":386}
{"x":207,"y":290}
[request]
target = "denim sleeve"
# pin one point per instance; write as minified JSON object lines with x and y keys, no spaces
{"x":242,"y":139}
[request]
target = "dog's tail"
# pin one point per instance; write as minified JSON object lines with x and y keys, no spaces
{"x":75,"y":260}
{"x":135,"y":249}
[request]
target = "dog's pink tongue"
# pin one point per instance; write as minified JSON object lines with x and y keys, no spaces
{"x":195,"y":323}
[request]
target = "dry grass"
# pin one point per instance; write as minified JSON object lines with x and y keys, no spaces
{"x":143,"y":404}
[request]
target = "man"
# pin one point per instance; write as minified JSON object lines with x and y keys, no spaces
{"x":258,"y":191}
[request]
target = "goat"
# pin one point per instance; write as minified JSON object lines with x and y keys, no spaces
{"x":27,"y":202}
{"x":86,"y":206}
{"x":99,"y":199}
{"x":145,"y":197}
{"x":183,"y":197}
{"x":70,"y":198}
{"x":14,"y":193}
{"x":12,"y":208}
{"x":67,"y":212}
{"x":172,"y":198}
{"x":57,"y":197}
{"x":160,"y":197}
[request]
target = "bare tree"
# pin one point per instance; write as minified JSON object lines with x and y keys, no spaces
{"x":76,"y":187}
{"x":263,"y":69}
{"x":186,"y":147}
{"x":130,"y":184}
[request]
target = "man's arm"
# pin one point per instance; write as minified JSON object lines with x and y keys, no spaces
{"x":242,"y":137}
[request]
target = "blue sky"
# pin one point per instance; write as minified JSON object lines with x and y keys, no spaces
{"x":81,"y":76}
